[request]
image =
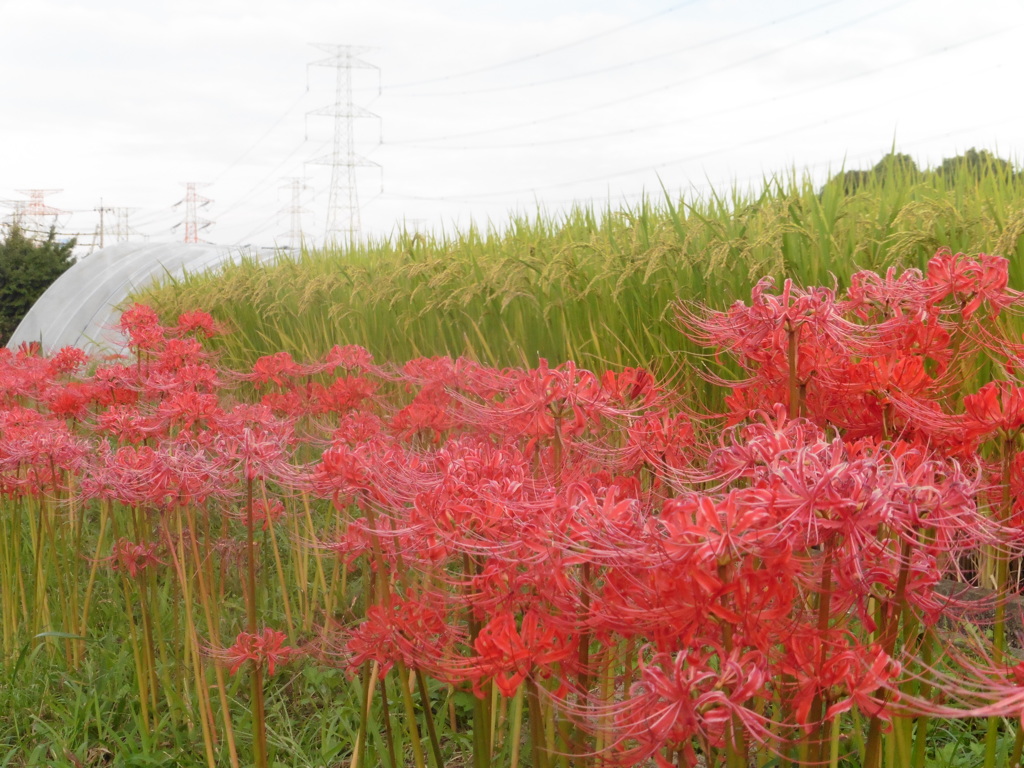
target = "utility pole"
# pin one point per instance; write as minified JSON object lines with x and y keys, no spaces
{"x":102,"y":230}
{"x":193,"y":202}
{"x":343,"y":223}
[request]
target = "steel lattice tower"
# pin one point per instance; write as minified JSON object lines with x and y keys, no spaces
{"x":34,"y":216}
{"x":295,"y":211}
{"x":193,"y":202}
{"x":124,"y":230}
{"x":343,"y":200}
{"x":121,"y":229}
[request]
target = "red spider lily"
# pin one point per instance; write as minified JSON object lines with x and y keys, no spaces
{"x":278,"y":368}
{"x":72,"y":400}
{"x":429,"y":412}
{"x":715,"y":533}
{"x":673,"y":606}
{"x":194,"y":376}
{"x":448,"y":374}
{"x":415,"y":631}
{"x":177,"y":353}
{"x":605,"y":517}
{"x":185,"y":411}
{"x":343,"y":394}
{"x":509,"y":654}
{"x":133,"y":558}
{"x":835,"y":668}
{"x":142,"y":328}
{"x":769,"y":435}
{"x":358,"y":427}
{"x":518,"y":525}
{"x":117,"y":384}
{"x":22,"y":376}
{"x":474,"y":497}
{"x":659,"y":439}
{"x":250,"y":440}
{"x":29,"y":349}
{"x":266,"y":512}
{"x":291,"y":403}
{"x":928,"y":491}
{"x":687,"y":698}
{"x":970,"y":281}
{"x":123,"y":423}
{"x":543,"y":402}
{"x":67,"y":360}
{"x":351,"y":545}
{"x":872,"y":297}
{"x":979,"y":687}
{"x":262,"y":649}
{"x":178,"y":472}
{"x":630,"y":387}
{"x":344,"y":472}
{"x":37,"y":452}
{"x":350,"y":357}
{"x":917,"y":335}
{"x":997,"y":406}
{"x":759,"y":333}
{"x":197,"y":322}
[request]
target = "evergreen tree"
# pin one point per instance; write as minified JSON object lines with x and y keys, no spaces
{"x":26,"y":270}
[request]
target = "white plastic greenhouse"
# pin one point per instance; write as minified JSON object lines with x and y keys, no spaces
{"x":81,"y":307}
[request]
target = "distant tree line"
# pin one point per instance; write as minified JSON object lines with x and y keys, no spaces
{"x":973,"y":163}
{"x":27,"y":268}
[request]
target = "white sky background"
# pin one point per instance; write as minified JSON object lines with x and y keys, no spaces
{"x":486,"y":108}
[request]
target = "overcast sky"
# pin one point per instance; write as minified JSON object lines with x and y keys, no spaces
{"x":481,"y":108}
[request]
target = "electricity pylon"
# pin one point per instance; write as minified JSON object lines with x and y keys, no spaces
{"x":193,"y":202}
{"x":295,"y":211}
{"x":343,"y":222}
{"x":34,"y":217}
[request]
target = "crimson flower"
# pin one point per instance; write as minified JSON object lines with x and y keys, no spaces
{"x":142,"y":327}
{"x":510,"y":653}
{"x":132,"y":557}
{"x":971,"y":280}
{"x":999,"y":405}
{"x":686,"y":697}
{"x":279,"y":368}
{"x":198,"y":322}
{"x":265,"y":648}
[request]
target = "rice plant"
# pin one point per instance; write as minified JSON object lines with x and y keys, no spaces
{"x":595,"y":286}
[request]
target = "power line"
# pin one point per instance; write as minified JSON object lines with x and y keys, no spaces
{"x":260,"y":140}
{"x":632,"y":62}
{"x":578,"y":139}
{"x":272,"y":174}
{"x":872,"y":155}
{"x":547,"y":52}
{"x":656,"y":166}
{"x":660,"y":89}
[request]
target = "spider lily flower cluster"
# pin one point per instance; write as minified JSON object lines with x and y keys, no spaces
{"x":634,"y":579}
